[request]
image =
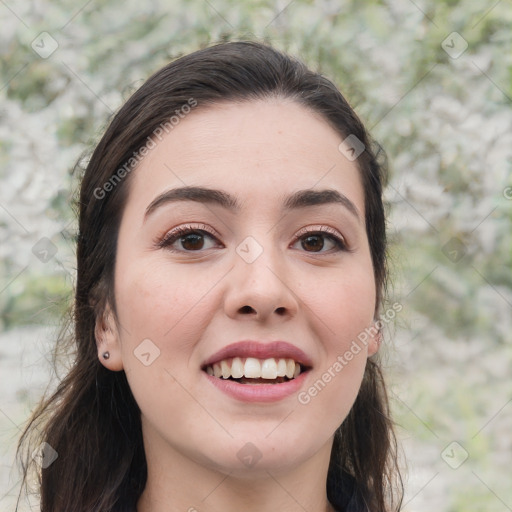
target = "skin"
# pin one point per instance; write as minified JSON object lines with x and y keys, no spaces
{"x":191,"y":303}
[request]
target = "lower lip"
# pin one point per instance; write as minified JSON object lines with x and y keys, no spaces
{"x":258,"y":392}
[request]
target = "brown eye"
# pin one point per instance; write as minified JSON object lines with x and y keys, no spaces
{"x":191,"y":240}
{"x":314,"y":241}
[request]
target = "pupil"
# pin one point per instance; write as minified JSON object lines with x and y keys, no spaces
{"x":186,"y":239}
{"x":314,"y":237}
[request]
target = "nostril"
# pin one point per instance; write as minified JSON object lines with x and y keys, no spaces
{"x":246,"y":309}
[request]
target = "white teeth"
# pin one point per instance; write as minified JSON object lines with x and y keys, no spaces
{"x":290,"y":368}
{"x":237,"y":368}
{"x":269,"y":369}
{"x":281,"y":368}
{"x":254,"y":368}
{"x":226,"y":370}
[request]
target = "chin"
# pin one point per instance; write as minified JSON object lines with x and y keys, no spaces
{"x":261,"y":451}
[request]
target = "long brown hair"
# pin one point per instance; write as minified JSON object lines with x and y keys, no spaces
{"x":92,"y":420}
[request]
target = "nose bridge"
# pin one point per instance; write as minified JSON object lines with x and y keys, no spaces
{"x":259,"y":259}
{"x":260,"y":278}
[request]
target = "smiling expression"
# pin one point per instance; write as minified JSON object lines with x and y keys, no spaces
{"x":246,"y":222}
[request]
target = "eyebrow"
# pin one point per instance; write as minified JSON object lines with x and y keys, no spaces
{"x":299,"y":199}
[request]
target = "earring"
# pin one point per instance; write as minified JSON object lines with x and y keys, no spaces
{"x":106,"y":355}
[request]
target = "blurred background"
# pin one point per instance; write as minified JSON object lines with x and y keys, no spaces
{"x":433,"y":83}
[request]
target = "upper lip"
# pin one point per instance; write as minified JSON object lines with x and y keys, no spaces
{"x":260,"y":350}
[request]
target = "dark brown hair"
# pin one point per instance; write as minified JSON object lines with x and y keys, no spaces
{"x":92,"y":419}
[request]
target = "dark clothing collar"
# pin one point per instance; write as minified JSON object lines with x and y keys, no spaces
{"x":344,"y":495}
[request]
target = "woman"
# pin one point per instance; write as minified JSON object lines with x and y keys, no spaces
{"x":231,"y":268}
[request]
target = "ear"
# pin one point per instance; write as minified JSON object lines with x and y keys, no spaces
{"x":375,"y":338}
{"x":106,"y":333}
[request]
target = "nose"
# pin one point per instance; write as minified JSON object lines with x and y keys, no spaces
{"x":260,"y":289}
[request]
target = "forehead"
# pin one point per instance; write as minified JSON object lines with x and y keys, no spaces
{"x":258,"y":150}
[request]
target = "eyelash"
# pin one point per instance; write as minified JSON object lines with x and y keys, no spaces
{"x":182,"y":231}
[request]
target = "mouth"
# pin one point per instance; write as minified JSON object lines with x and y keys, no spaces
{"x":254,"y":371}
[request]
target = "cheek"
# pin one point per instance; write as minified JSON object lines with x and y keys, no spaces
{"x":154,"y":302}
{"x":335,"y":386}
{"x":158,"y":312}
{"x":344,"y":300}
{"x":344,"y":305}
{"x":168,"y":308}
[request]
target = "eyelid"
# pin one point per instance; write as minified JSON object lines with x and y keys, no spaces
{"x":175,"y":233}
{"x":321,"y":229}
{"x":339,"y":240}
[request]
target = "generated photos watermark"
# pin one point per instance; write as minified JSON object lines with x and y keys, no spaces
{"x":158,"y":133}
{"x":342,"y":360}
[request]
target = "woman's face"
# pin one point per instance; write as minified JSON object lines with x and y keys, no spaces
{"x":258,"y":275}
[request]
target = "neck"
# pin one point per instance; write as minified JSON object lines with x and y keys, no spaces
{"x":176,"y":483}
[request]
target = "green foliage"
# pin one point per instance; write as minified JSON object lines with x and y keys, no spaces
{"x":445,"y":123}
